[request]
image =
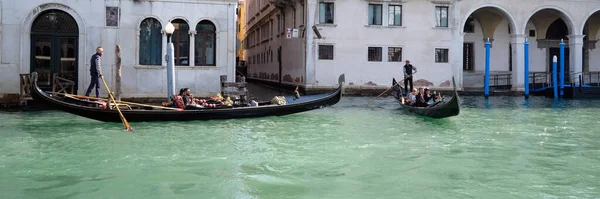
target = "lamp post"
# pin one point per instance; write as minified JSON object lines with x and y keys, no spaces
{"x":169,"y":29}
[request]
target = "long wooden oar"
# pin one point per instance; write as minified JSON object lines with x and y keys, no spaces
{"x":125,"y":123}
{"x":390,"y":88}
{"x":120,"y":102}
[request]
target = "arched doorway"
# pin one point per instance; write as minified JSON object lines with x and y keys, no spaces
{"x":556,"y":31}
{"x":591,"y":32}
{"x":545,"y":28}
{"x":54,"y":48}
{"x":497,"y":25}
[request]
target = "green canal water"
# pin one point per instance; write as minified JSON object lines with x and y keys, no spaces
{"x":501,"y":148}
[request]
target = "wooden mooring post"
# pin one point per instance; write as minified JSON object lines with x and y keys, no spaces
{"x":118,"y":73}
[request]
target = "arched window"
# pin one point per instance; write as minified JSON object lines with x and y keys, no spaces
{"x":150,"y":42}
{"x":205,"y":46}
{"x":181,"y":42}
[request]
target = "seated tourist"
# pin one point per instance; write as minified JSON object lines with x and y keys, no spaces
{"x":420,"y":99}
{"x":411,"y":97}
{"x":427,"y":96}
{"x":437,"y":97}
{"x":176,"y":100}
{"x":189,"y":100}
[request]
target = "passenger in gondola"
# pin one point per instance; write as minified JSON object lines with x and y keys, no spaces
{"x":420,"y":99}
{"x":188,"y":99}
{"x":176,"y":100}
{"x":411,"y":97}
{"x":427,"y":95}
{"x":436,"y":97}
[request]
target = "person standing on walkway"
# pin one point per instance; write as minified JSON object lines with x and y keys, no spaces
{"x":408,"y":72}
{"x":95,"y":72}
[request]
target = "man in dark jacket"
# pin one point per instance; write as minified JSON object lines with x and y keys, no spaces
{"x":408,"y":72}
{"x":95,"y":72}
{"x":420,"y":99}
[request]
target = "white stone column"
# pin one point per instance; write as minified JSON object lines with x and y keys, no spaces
{"x":576,"y":54}
{"x":518,"y":70}
{"x":231,"y":44}
{"x":192,"y":55}
{"x":1,"y":34}
{"x":311,"y":9}
{"x":456,"y":48}
{"x":163,"y":47}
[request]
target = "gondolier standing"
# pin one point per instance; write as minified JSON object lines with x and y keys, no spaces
{"x":408,"y":71}
{"x":95,"y":72}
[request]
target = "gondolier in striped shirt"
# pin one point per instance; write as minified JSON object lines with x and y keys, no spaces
{"x":95,"y":72}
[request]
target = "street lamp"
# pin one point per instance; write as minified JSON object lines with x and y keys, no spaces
{"x":169,"y":29}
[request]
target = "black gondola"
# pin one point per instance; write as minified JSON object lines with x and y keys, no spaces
{"x":440,"y":110}
{"x":87,"y":109}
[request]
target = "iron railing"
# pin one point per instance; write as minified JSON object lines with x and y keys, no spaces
{"x":587,"y":78}
{"x":500,"y":81}
{"x":539,"y":80}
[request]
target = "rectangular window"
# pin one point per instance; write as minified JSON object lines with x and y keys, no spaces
{"x":394,"y":54}
{"x":294,"y":15}
{"x":271,"y":33}
{"x":468,"y":57}
{"x":395,"y":15}
{"x":112,"y":16}
{"x":326,"y":13}
{"x":278,"y":24}
{"x":441,"y":55}
{"x":283,"y":24}
{"x":181,"y":42}
{"x":150,"y":52}
{"x":375,"y":14}
{"x":326,"y":52}
{"x":441,"y":16}
{"x":374,"y":54}
{"x":510,"y":58}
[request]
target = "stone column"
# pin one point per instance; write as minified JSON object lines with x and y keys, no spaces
{"x":192,"y":56}
{"x":457,"y":45}
{"x":518,"y":70}
{"x":576,"y":55}
{"x":311,"y":6}
{"x":230,"y":53}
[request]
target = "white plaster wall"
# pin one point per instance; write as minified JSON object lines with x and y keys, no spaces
{"x":594,"y":56}
{"x":418,"y":37}
{"x":499,"y":57}
{"x":137,"y":81}
{"x":499,"y":54}
{"x":537,"y":56}
{"x":351,"y":36}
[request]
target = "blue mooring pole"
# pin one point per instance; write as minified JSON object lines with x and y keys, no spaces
{"x":554,"y":82}
{"x":526,"y":68}
{"x":562,"y":67}
{"x":487,"y":68}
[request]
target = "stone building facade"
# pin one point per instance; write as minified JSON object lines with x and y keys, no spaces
{"x":59,"y":37}
{"x":369,"y":40}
